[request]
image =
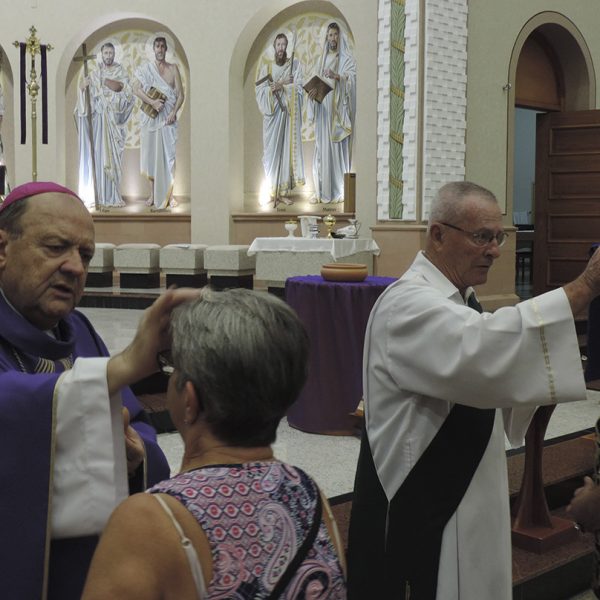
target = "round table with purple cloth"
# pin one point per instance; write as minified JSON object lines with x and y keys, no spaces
{"x":335,"y":315}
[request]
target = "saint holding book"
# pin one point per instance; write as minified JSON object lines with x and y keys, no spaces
{"x":333,"y":117}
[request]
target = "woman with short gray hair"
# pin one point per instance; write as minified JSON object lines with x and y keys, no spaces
{"x":235,"y":522}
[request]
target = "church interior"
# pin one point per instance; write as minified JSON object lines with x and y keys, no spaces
{"x":504,"y":94}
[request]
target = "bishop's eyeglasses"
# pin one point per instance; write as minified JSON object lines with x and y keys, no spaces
{"x":483,"y":237}
{"x":165,"y":363}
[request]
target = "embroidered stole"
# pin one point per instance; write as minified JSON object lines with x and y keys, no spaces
{"x":394,"y":548}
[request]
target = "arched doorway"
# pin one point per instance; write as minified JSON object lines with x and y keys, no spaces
{"x":553,"y":81}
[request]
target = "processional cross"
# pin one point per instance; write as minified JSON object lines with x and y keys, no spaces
{"x":32,"y":46}
{"x":84,"y":58}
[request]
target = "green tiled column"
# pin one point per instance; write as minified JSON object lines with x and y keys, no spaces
{"x":398,"y":20}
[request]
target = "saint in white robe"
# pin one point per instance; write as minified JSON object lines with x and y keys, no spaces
{"x":282,"y":127}
{"x":425,"y":350}
{"x":158,"y":139}
{"x":110,"y":112}
{"x":334,"y":124}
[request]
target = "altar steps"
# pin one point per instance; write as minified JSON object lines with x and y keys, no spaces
{"x":558,"y":574}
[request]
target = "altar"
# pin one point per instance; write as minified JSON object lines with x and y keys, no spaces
{"x":335,"y":315}
{"x":278,"y":258}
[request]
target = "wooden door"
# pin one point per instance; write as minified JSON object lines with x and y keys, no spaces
{"x":567,"y":195}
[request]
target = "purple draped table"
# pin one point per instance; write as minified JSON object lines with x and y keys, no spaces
{"x":335,"y":315}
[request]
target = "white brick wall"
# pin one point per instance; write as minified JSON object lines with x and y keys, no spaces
{"x":445,"y":95}
{"x":444,"y":106}
{"x":411,"y":108}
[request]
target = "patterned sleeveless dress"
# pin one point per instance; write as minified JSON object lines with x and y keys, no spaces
{"x":256,"y":516}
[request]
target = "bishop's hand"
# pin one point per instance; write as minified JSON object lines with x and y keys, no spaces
{"x":138,"y":360}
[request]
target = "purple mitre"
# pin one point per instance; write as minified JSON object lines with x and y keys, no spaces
{"x":34,"y":188}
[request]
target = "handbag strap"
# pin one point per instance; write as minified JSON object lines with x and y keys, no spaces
{"x":307,"y":544}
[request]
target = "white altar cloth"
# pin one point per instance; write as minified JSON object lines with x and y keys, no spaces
{"x":281,"y":257}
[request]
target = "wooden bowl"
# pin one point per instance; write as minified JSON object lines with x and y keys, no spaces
{"x":344,"y":272}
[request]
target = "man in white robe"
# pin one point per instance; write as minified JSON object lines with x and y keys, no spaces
{"x":159,"y":133}
{"x":111,"y":102}
{"x":333,"y":118}
{"x":279,"y":98}
{"x":435,"y":373}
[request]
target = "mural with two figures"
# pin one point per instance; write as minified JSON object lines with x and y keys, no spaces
{"x":129,"y":96}
{"x":306,"y":90}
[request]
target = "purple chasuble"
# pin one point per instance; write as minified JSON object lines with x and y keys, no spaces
{"x":30,"y":364}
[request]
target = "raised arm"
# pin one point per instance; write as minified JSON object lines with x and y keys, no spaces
{"x":586,"y":287}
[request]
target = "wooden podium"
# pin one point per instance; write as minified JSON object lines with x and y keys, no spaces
{"x":533,"y":527}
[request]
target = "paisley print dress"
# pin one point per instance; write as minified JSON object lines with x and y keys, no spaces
{"x":256,"y":516}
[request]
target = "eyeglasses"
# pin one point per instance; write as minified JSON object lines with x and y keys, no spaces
{"x":165,"y":363}
{"x":482,"y":237}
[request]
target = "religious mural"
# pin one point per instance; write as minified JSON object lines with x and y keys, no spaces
{"x":305,"y":86}
{"x":130,"y":94}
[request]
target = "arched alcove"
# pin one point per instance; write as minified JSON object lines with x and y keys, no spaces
{"x":310,"y":19}
{"x":539,"y":78}
{"x":552,"y":72}
{"x":568,"y":55}
{"x":132,"y":37}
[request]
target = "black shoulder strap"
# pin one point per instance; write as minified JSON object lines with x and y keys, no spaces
{"x":292,"y":568}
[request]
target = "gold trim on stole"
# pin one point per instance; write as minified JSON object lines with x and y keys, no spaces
{"x":549,"y":370}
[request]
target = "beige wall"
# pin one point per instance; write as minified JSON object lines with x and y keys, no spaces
{"x":216,"y":36}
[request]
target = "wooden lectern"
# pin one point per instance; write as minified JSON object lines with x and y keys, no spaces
{"x":533,"y":527}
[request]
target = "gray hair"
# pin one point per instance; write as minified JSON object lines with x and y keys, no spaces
{"x":246,"y":354}
{"x":447,"y":204}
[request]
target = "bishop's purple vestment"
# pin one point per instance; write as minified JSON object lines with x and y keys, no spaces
{"x":31,"y":362}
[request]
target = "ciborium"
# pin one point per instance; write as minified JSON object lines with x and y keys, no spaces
{"x":329,"y":221}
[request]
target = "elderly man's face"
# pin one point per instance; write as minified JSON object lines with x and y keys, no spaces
{"x":467,"y":264}
{"x":43,"y":272}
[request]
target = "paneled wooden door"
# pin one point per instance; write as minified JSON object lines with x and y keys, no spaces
{"x":567,"y":195}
